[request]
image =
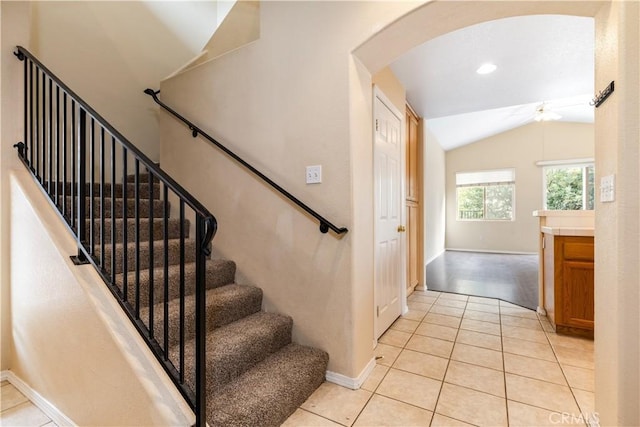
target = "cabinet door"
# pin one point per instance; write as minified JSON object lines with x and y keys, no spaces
{"x":577,"y":294}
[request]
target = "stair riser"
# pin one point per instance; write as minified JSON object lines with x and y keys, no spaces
{"x":218,"y":313}
{"x":218,"y":273}
{"x":143,"y":189}
{"x":158,"y":208}
{"x":158,"y":255}
{"x":158,"y":229}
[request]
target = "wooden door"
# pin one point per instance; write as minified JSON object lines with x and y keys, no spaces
{"x":413,"y":173}
{"x":388,"y":254}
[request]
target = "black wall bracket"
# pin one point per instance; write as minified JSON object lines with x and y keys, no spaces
{"x":603,"y":95}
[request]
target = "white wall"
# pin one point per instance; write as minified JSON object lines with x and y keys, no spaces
{"x":617,"y":232}
{"x":70,"y":341}
{"x":434,"y":196}
{"x":519,"y":148}
{"x":110,"y":52}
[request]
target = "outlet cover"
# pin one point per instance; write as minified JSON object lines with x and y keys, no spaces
{"x":314,"y":174}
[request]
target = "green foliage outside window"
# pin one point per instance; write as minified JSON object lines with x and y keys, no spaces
{"x":567,"y":188}
{"x":485,"y":202}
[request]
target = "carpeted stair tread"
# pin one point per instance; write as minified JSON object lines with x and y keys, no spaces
{"x":224,"y":305}
{"x":143,"y":189}
{"x":144,"y":207}
{"x":219,"y":272}
{"x":158,"y":254}
{"x":234,"y":348}
{"x":173,"y":226}
{"x":267,"y":394}
{"x":142,"y":177}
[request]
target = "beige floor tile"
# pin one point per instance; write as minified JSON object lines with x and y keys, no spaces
{"x":386,"y":354}
{"x":528,"y":348}
{"x":10,"y":397}
{"x":521,"y":415}
{"x":443,"y":320}
{"x":521,"y":322}
{"x":382,"y":411}
{"x":442,"y":421}
{"x":451,"y":303}
{"x":432,"y":293}
{"x":395,"y":338}
{"x":477,"y":356}
{"x":375,"y":378}
{"x":519,"y":312}
{"x":472,"y":406}
{"x":421,"y":364}
{"x":430,"y":345}
{"x":534,"y":368}
{"x":572,"y":357}
{"x":542,"y":394}
{"x":479,"y":326}
{"x":413,"y":305}
{"x":483,"y":307}
{"x":437,"y":331}
{"x":575,"y":343}
{"x":586,"y":401}
{"x":421,"y":298}
{"x":546,"y":325}
{"x":446,"y":310}
{"x":479,"y":339}
{"x":337,"y":403}
{"x":524,"y":334}
{"x":475,"y":377}
{"x":510,"y":305}
{"x":459,"y":297}
{"x":24,"y":414}
{"x":482,"y":316}
{"x":405,"y":325}
{"x":414,"y":314}
{"x":580,"y":378}
{"x":484,"y":300}
{"x":302,"y":418}
{"x":410,"y":388}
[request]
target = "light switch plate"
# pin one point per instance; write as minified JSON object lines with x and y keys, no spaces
{"x":314,"y":174}
{"x":607,"y":189}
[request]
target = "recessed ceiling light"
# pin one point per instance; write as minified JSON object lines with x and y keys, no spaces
{"x":486,"y":68}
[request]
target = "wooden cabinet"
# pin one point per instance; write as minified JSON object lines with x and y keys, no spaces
{"x":569,"y":283}
{"x":413,"y":201}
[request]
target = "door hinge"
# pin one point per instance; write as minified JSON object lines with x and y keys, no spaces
{"x":377,"y":311}
{"x":376,"y":125}
{"x":544,"y":241}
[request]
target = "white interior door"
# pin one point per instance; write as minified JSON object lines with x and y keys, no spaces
{"x":389,"y":243}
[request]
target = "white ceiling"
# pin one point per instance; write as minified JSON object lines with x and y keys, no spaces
{"x":543,"y":58}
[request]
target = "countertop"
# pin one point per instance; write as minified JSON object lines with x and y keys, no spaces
{"x":568,"y":231}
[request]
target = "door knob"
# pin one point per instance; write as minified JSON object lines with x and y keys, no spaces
{"x":401,"y":229}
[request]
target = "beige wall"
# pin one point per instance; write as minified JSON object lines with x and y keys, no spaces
{"x":110,"y":52}
{"x":434,"y":196}
{"x":389,"y":84}
{"x":617,"y":326}
{"x":71,"y":342}
{"x":519,"y":148}
{"x":282,"y":103}
{"x":14,"y":30}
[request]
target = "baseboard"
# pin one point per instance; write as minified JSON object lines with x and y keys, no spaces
{"x":352,"y":383}
{"x":43,"y":404}
{"x":491,"y":251}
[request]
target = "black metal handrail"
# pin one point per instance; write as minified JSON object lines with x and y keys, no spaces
{"x":325,"y":225}
{"x":79,"y":159}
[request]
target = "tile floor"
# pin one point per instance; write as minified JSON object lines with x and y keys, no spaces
{"x":17,"y":410}
{"x":457,"y":360}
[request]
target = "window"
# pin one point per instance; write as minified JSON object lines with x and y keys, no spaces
{"x":569,"y":186}
{"x":485,"y":195}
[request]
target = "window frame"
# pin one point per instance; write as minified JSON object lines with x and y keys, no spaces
{"x":478,"y":183}
{"x":583,"y":164}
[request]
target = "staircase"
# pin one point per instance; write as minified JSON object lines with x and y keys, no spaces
{"x":153,"y":258}
{"x":255,"y":375}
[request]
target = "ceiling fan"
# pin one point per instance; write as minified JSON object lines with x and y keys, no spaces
{"x":544,"y":114}
{"x":574,"y":109}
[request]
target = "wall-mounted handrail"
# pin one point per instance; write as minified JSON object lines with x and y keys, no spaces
{"x":325,"y":225}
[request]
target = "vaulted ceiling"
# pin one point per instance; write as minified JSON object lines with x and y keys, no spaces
{"x":542,"y":59}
